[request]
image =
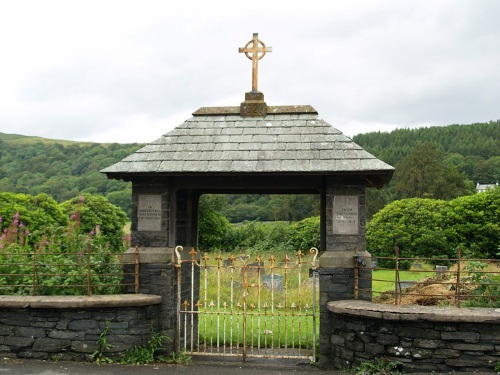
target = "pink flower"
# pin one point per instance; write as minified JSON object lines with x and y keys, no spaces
{"x":73,"y":216}
{"x":21,"y":225}
{"x":27,"y":232}
{"x":91,"y":233}
{"x":82,"y":198}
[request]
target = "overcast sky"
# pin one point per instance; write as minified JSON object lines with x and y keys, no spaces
{"x":130,"y":71}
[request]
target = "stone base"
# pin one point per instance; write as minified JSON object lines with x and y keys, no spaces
{"x":254,"y":105}
{"x":343,"y":259}
{"x":150,"y":255}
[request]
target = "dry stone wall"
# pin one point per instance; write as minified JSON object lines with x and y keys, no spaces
{"x":423,"y":339}
{"x":73,"y":334}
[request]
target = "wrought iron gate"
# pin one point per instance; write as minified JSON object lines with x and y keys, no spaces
{"x":246,"y":307}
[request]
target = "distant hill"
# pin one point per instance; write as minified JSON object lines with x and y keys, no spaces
{"x":64,"y":169}
{"x":26,"y":139}
{"x":480,"y":140}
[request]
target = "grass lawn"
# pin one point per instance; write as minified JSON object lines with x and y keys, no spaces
{"x":384,"y":280}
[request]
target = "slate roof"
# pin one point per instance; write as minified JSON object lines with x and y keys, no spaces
{"x":218,"y":140}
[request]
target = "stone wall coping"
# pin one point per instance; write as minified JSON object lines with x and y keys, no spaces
{"x":73,"y":302}
{"x":413,"y":313}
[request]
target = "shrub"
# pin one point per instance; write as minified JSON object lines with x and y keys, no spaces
{"x":93,"y":211}
{"x":413,"y":225}
{"x":305,"y":234}
{"x":36,"y":212}
{"x":59,"y":263}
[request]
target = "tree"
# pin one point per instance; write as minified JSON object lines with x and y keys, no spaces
{"x":122,"y":199}
{"x":96,"y":213}
{"x":214,"y":227}
{"x":376,"y":199}
{"x":425,"y":173}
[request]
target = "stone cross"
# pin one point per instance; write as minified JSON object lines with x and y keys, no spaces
{"x":255,"y":50}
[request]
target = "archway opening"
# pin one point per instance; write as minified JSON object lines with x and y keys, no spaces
{"x":254,"y":291}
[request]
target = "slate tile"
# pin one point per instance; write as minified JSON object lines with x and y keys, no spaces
{"x":232,"y":131}
{"x":171,"y":166}
{"x":219,"y":165}
{"x":244,"y":165}
{"x":249,"y":146}
{"x":195,"y":166}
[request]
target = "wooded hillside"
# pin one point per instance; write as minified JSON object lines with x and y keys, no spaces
{"x":62,"y":169}
{"x":476,"y":146}
{"x":434,"y":162}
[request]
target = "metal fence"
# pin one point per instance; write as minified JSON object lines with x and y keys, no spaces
{"x":65,"y":273}
{"x":428,"y":281}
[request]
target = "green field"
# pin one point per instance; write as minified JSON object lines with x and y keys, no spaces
{"x":385,"y":280}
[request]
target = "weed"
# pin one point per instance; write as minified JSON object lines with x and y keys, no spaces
{"x":181,"y":358}
{"x":486,"y":292}
{"x":145,"y":354}
{"x":102,"y":346}
{"x":54,"y":358}
{"x":379,"y":366}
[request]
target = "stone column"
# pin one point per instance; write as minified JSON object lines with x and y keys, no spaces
{"x":151,"y":235}
{"x":345,"y":218}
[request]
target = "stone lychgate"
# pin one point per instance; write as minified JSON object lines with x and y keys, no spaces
{"x":279,"y":149}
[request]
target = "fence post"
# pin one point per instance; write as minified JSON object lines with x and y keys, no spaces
{"x":397,"y":288}
{"x":89,"y":275}
{"x":457,"y":289}
{"x":356,"y":273}
{"x":136,"y":279}
{"x":33,"y":291}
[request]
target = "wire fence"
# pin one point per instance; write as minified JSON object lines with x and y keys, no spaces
{"x":428,"y":281}
{"x":397,"y":280}
{"x":66,"y":273}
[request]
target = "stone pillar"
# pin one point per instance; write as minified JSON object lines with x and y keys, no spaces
{"x":344,"y":214}
{"x":163,"y":217}
{"x":152,"y":233}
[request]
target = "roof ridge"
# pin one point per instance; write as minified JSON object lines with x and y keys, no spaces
{"x":233,"y":110}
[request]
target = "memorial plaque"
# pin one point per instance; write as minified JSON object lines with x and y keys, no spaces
{"x":345,"y":214}
{"x":149,"y":213}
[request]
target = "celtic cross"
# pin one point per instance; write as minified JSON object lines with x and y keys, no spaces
{"x":255,"y":50}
